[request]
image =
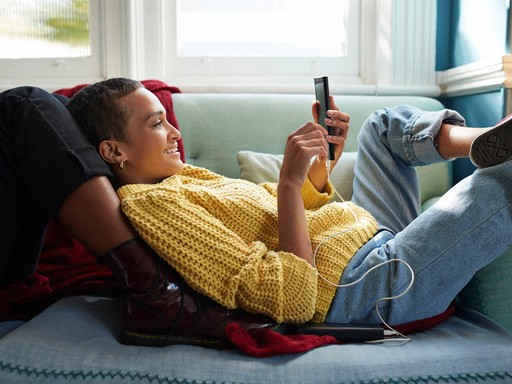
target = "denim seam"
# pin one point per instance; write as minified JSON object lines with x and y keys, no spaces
{"x":410,"y":139}
{"x":407,"y":139}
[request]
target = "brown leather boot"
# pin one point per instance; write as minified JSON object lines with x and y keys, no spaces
{"x":161,"y":309}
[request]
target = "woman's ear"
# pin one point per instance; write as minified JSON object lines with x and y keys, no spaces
{"x":110,"y":152}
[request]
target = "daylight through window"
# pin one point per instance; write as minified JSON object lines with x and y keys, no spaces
{"x":44,"y":29}
{"x":262,"y":28}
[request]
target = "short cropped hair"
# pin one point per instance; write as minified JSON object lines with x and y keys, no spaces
{"x":99,"y":111}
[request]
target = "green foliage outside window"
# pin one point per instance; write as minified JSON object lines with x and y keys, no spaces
{"x":71,"y":27}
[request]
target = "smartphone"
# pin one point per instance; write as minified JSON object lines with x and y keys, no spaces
{"x":322,"y":95}
{"x":346,"y":332}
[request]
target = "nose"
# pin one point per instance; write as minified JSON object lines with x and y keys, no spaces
{"x":172,"y":132}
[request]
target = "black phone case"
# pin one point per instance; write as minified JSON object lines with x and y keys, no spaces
{"x":322,"y":95}
{"x":346,"y":332}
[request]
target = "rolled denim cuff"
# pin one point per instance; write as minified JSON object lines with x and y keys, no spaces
{"x":420,"y":132}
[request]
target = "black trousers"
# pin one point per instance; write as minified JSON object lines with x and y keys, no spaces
{"x":44,"y":156}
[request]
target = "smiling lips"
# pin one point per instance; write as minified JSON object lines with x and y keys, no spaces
{"x":170,"y":151}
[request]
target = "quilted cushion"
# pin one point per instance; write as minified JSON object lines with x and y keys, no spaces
{"x":74,"y":341}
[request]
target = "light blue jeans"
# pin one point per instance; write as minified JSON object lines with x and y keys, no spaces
{"x":446,"y":245}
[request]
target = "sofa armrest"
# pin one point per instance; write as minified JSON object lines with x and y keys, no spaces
{"x":490,"y":291}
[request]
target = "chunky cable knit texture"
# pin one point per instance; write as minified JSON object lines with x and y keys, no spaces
{"x":220,"y":234}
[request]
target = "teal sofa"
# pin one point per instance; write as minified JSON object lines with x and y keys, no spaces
{"x":242,"y":135}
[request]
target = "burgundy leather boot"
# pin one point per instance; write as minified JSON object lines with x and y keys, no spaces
{"x":161,"y":309}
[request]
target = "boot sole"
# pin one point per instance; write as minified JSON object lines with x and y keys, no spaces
{"x":162,"y":340}
{"x":145,"y":339}
{"x":494,"y":146}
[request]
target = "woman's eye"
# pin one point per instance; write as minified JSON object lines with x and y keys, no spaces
{"x":158,"y":124}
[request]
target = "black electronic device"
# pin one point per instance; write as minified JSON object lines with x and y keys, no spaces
{"x":345,"y":332}
{"x":322,"y":96}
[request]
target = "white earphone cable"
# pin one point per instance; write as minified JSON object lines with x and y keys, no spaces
{"x":397,"y":336}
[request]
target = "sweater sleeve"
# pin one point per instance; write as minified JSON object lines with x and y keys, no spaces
{"x":314,"y":199}
{"x":216,"y":261}
{"x":310,"y":196}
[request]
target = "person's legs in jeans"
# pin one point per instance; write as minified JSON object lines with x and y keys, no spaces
{"x":467,"y":229}
{"x":394,"y":141}
{"x":48,"y":169}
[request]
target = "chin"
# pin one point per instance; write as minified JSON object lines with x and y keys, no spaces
{"x":180,"y":167}
{"x":176,"y":168}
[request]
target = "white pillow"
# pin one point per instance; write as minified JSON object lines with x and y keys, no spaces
{"x":262,"y":167}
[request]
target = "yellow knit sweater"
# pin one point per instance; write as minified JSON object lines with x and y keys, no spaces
{"x":220,"y":234}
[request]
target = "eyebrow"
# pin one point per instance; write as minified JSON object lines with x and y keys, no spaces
{"x":152,"y":114}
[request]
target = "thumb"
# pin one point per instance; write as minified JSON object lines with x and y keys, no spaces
{"x":314,"y":110}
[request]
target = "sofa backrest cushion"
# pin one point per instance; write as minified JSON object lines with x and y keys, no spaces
{"x":215,"y":128}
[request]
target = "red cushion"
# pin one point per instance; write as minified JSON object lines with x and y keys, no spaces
{"x":266,"y":342}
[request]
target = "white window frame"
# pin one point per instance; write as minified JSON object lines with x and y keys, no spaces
{"x":261,"y":74}
{"x":397,"y":53}
{"x":397,"y":56}
{"x":54,"y":71}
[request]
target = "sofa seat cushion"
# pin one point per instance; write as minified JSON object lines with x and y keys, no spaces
{"x":8,"y":326}
{"x":74,"y":341}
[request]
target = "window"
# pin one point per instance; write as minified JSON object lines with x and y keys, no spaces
{"x":261,"y":42}
{"x":364,"y":46}
{"x":264,"y":28}
{"x":44,"y":39}
{"x":44,"y":29}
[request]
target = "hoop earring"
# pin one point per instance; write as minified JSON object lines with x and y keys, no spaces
{"x":121,"y":164}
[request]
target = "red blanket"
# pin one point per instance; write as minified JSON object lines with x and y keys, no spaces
{"x":65,"y":268}
{"x":266,"y":343}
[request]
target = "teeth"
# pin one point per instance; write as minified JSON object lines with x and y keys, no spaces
{"x":169,"y":151}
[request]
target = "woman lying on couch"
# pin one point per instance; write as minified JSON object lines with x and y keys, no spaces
{"x":263,"y":248}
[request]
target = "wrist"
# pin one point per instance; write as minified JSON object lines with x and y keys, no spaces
{"x":288,"y":185}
